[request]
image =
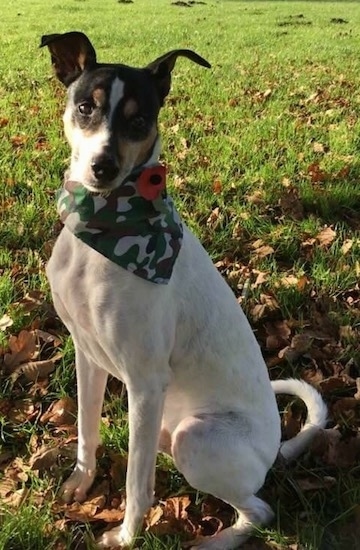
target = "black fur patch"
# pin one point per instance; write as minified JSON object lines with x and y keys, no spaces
{"x":138,"y":86}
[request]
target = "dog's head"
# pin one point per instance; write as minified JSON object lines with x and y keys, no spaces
{"x":111,"y":115}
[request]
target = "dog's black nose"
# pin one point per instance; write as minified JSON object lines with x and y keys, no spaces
{"x":104,"y":168}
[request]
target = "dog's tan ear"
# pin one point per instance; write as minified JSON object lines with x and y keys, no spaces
{"x":71,"y":53}
{"x":162,"y":66}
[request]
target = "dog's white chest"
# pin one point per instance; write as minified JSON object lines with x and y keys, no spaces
{"x":193,"y":326}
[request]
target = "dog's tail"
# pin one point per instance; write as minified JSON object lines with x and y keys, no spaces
{"x":316,"y":418}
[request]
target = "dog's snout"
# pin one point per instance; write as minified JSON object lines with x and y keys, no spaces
{"x":104,"y":168}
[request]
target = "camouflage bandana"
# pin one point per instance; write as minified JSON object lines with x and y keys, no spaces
{"x":141,"y":235}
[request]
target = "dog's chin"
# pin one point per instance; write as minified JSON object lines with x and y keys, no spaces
{"x":99,"y":188}
{"x":102,"y":188}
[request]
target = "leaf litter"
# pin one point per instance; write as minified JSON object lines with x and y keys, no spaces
{"x":324,"y":352}
{"x":336,"y":447}
{"x":314,"y":342}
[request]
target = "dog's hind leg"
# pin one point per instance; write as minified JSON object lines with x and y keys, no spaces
{"x":217,"y":455}
{"x":91,"y":383}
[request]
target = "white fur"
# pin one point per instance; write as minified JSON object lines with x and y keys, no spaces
{"x":85,"y":150}
{"x":116,"y":93}
{"x":317,"y":415}
{"x":193,"y":371}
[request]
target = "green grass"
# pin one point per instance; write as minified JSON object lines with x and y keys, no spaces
{"x":264,"y":146}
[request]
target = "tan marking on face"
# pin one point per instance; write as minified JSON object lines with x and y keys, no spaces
{"x":82,"y":59}
{"x":99,"y":96}
{"x":68,"y":126}
{"x":130,"y":108}
{"x":136,"y":153}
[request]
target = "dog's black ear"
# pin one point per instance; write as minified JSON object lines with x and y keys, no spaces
{"x":71,"y":53}
{"x":162,"y":66}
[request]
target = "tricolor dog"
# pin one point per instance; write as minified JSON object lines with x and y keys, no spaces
{"x":144,"y":303}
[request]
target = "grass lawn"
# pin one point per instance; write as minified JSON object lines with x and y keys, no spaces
{"x":263,"y":162}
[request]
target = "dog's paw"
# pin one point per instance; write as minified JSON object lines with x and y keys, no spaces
{"x":119,"y":537}
{"x":77,"y":485}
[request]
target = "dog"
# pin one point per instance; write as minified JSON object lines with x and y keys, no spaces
{"x":144,"y":303}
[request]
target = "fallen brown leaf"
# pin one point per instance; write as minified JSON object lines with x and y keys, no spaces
{"x":33,"y":370}
{"x":153,"y":516}
{"x":32,"y":300}
{"x":257,"y":197}
{"x":118,"y":468}
{"x":345,"y":409}
{"x":317,"y":175}
{"x":318,"y":147}
{"x":179,"y":182}
{"x":267,"y":303}
{"x":47,"y":337}
{"x":214,"y":218}
{"x":326,"y":237}
{"x":263,"y":251}
{"x":347,"y":245}
{"x":211,"y":525}
{"x":5,"y":322}
{"x":300,"y":344}
{"x":176,"y":507}
{"x":185,"y":148}
{"x":347,"y":333}
{"x":289,"y":280}
{"x":22,"y":410}
{"x":110,"y":515}
{"x":291,"y":204}
{"x":44,"y":458}
{"x":262,"y":96}
{"x":335,"y":383}
{"x":61,"y":412}
{"x":261,"y":278}
{"x":357,"y":394}
{"x":313,"y":376}
{"x":81,"y":512}
{"x":315,"y":483}
{"x":5,"y":406}
{"x":7,"y":486}
{"x":278,"y":334}
{"x":4,"y":121}
{"x":336,"y":450}
{"x":217,"y":187}
{"x":18,"y":141}
{"x":302,"y":282}
{"x":16,"y":499}
{"x":17,"y":470}
{"x":23,"y":347}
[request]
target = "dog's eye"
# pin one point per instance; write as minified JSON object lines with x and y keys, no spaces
{"x":86,"y":108}
{"x":138,"y":123}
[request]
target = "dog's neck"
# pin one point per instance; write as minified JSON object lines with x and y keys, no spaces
{"x":132,"y":228}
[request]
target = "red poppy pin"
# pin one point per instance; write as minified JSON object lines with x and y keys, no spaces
{"x":151,"y":182}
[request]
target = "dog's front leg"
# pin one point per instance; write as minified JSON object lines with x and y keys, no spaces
{"x":146,"y":403}
{"x":91,"y":383}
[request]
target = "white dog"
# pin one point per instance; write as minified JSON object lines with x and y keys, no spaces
{"x":144,"y":302}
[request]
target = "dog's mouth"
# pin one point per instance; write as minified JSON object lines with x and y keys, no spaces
{"x":97,"y":188}
{"x":150,"y":182}
{"x":105,"y":173}
{"x":104,"y":187}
